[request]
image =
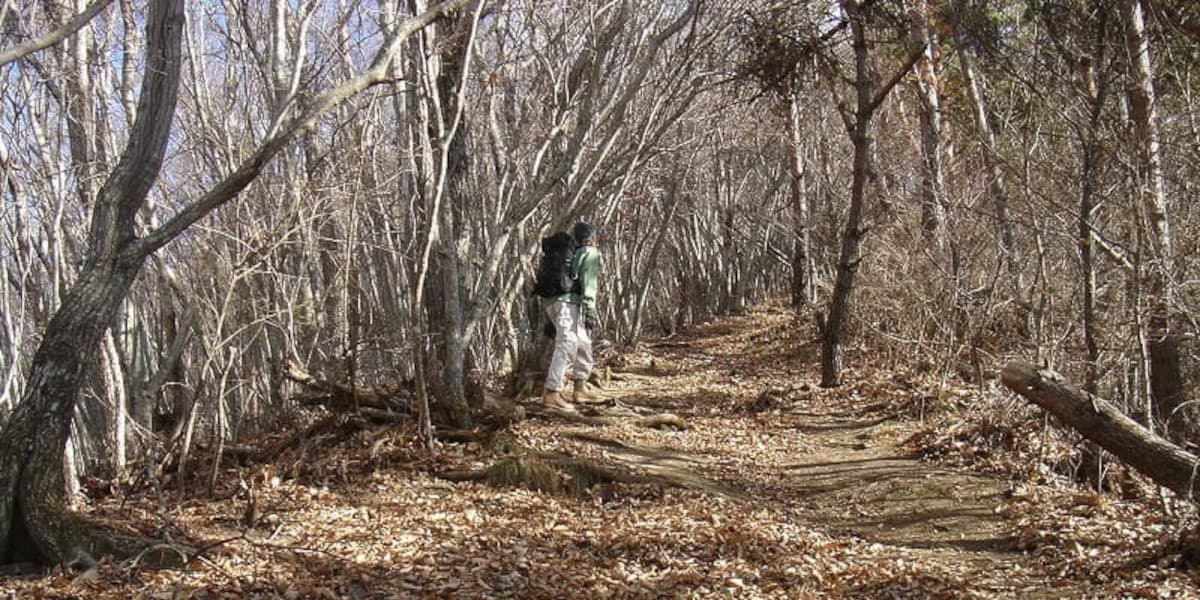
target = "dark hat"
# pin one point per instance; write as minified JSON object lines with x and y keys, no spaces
{"x":583,"y":232}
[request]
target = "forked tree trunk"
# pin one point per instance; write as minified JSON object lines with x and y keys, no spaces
{"x":34,"y":520}
{"x":848,"y":259}
{"x":868,"y":96}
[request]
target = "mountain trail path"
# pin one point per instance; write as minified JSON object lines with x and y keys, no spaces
{"x":763,"y":434}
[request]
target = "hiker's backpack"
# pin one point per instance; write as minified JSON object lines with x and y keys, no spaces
{"x":554,"y":271}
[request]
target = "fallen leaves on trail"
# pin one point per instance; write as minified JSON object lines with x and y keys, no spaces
{"x":361,"y":513}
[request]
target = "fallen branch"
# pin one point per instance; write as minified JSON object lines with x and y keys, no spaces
{"x":662,"y":421}
{"x":390,"y":396}
{"x":244,"y":454}
{"x":1099,"y":421}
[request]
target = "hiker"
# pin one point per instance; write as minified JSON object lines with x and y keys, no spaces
{"x":574,"y":317}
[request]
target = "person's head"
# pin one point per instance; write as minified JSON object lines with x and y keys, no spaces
{"x":584,"y":233}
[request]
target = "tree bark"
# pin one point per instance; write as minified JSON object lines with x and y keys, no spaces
{"x":802,"y":264}
{"x":991,"y":158}
{"x":1162,"y":341}
{"x":32,"y":492}
{"x":1099,"y":421}
{"x":932,"y":184}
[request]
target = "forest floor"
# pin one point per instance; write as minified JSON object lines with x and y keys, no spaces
{"x":775,"y":488}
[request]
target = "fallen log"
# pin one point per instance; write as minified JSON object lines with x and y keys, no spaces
{"x":244,"y":454}
{"x":1099,"y":421}
{"x":390,"y":396}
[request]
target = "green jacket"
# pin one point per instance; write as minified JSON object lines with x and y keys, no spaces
{"x":585,"y":267}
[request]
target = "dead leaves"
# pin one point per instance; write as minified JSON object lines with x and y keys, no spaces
{"x":359,"y":515}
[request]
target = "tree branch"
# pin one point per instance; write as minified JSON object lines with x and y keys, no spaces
{"x":913,"y":56}
{"x":228,"y":188}
{"x":64,"y":31}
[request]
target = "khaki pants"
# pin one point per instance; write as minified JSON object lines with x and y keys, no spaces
{"x":572,"y":345}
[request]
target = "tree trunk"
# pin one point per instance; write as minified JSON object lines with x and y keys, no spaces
{"x":454,"y":350}
{"x":848,"y":259}
{"x":991,"y":159}
{"x":1096,"y":89}
{"x":32,"y":490}
{"x":33,"y":507}
{"x":445,"y":171}
{"x":1166,"y":381}
{"x":802,"y":265}
{"x":932,"y":185}
{"x":1167,"y":464}
{"x":868,"y":96}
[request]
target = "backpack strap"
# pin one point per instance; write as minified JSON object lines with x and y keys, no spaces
{"x":575,"y":267}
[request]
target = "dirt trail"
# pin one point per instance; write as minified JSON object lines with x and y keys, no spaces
{"x":812,"y":497}
{"x":847,"y":472}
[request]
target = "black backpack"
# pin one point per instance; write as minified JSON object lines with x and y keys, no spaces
{"x":554,"y":271}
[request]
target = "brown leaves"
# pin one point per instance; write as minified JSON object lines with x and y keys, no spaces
{"x":808,"y":498}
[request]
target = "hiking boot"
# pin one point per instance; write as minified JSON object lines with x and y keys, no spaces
{"x":555,"y":400}
{"x":582,"y":394}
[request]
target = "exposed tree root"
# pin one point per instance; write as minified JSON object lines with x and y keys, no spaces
{"x":612,"y":416}
{"x":662,"y":421}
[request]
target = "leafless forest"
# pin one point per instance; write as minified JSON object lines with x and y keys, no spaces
{"x":218,"y":216}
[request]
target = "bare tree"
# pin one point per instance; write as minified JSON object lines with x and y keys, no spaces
{"x":32,"y":502}
{"x":869,"y":93}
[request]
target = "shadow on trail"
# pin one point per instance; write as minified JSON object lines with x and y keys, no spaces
{"x":875,"y":492}
{"x":843,"y":426}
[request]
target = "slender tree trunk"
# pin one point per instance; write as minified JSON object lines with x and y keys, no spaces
{"x":1096,"y":89}
{"x":849,"y":256}
{"x":652,"y":260}
{"x":868,"y":95}
{"x":932,"y":184}
{"x":991,"y":159}
{"x":802,"y":264}
{"x":1087,"y":253}
{"x":1162,"y":340}
{"x":1097,"y":92}
{"x":114,"y":380}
